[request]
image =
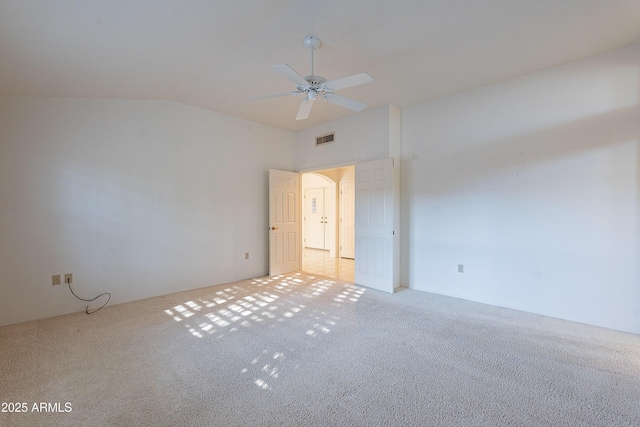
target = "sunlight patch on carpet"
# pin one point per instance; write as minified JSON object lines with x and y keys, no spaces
{"x":266,"y":301}
{"x":241,"y":304}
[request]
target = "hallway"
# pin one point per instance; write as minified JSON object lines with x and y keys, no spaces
{"x":317,"y":261}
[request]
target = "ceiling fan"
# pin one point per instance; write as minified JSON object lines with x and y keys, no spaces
{"x":314,"y":87}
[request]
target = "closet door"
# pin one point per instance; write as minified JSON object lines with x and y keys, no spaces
{"x":315,"y":221}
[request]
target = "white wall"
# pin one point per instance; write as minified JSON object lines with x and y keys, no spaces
{"x":359,"y":138}
{"x":533,"y":184}
{"x":138,"y":198}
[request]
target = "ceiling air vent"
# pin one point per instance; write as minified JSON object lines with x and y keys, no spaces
{"x":325,"y":139}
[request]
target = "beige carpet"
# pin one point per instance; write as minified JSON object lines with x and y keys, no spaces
{"x":312,"y":351}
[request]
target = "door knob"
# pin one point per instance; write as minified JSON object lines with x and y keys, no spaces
{"x":274,"y":228}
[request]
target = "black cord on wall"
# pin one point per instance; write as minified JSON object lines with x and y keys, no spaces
{"x":89,"y":300}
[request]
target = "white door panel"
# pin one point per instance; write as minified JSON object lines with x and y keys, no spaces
{"x":374,"y":228}
{"x":284,"y":222}
{"x":347,"y":219}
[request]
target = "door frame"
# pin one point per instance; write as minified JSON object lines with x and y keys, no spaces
{"x":334,"y":251}
{"x":396,"y":212}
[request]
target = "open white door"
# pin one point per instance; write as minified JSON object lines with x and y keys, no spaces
{"x":347,"y":219}
{"x":374,"y":234}
{"x":284,"y":222}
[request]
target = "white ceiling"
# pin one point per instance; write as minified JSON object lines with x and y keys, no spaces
{"x":216,"y":54}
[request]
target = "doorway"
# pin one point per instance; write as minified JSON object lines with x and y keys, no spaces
{"x":377,"y":258}
{"x":327,"y":223}
{"x":318,"y":214}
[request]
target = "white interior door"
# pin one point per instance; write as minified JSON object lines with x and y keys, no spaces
{"x":374,"y":231}
{"x":315,"y":220}
{"x":284,"y":222}
{"x":347,"y":219}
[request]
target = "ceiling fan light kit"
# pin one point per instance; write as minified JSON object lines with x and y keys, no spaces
{"x":313,"y":86}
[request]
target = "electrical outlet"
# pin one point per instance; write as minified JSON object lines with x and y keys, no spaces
{"x":246,"y":255}
{"x":55,"y":279}
{"x":68,"y":278}
{"x":460,"y":268}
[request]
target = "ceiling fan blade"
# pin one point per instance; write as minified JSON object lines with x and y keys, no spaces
{"x":344,"y":102}
{"x":305,"y":109}
{"x":290,"y":73}
{"x":354,"y":80}
{"x":274,"y":95}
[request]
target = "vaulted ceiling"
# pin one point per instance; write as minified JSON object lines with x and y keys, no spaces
{"x":216,"y":54}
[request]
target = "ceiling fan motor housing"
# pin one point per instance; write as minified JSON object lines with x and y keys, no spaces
{"x":316,"y":83}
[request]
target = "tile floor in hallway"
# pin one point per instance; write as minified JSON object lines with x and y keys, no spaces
{"x":317,"y":261}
